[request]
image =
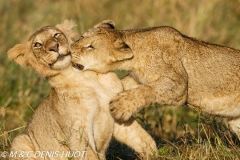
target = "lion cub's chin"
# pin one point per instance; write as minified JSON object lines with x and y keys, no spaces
{"x":62,"y":63}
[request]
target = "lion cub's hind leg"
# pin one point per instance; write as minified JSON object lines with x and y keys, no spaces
{"x":22,"y":143}
{"x":23,"y":147}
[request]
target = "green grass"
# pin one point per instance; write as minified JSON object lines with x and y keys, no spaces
{"x":180,"y":133}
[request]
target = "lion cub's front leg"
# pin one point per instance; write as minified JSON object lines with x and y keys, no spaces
{"x":130,"y":101}
{"x":167,"y":90}
{"x":134,"y":136}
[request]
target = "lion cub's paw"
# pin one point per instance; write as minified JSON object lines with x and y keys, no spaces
{"x":123,"y":106}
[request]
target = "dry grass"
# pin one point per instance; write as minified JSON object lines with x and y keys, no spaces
{"x":180,"y":132}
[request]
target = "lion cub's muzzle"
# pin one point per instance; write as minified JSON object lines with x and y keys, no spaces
{"x":75,"y":58}
{"x":57,"y":52}
{"x":52,"y":45}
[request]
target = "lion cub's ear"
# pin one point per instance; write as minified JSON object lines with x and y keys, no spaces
{"x":121,"y":50}
{"x":105,"y":24}
{"x":19,"y":53}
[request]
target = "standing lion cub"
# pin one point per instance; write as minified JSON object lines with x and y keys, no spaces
{"x":172,"y":69}
{"x":74,"y":120}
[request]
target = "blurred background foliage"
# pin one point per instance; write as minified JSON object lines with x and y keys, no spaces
{"x":21,"y":90}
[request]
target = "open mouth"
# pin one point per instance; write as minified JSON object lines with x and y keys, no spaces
{"x":77,"y":66}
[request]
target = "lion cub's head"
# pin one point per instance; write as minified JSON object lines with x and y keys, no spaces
{"x":100,"y":47}
{"x":47,"y":50}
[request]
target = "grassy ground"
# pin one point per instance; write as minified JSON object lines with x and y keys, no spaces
{"x":180,"y":133}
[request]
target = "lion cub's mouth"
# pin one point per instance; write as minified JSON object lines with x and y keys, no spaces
{"x":77,"y":66}
{"x":61,"y":57}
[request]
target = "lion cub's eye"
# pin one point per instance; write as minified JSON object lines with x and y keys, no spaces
{"x":37,"y":45}
{"x":56,"y":35}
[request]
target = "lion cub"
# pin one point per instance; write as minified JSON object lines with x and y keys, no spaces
{"x":172,"y":69}
{"x":75,"y":116}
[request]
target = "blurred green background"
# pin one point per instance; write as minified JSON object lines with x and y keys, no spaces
{"x":21,"y":90}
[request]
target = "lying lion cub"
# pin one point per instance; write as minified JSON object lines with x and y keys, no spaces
{"x":172,"y":69}
{"x":75,"y":116}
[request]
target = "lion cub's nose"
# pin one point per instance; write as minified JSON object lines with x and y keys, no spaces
{"x":52,"y":45}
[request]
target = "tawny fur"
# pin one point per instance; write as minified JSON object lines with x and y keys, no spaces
{"x":173,"y":69}
{"x":75,"y":116}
